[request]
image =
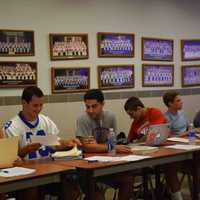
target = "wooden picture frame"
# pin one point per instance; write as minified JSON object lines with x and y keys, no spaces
{"x":190,"y":75}
{"x":157,"y":49}
{"x":157,"y":75}
{"x":70,"y":79}
{"x":115,"y":76}
{"x":190,"y":50}
{"x":17,"y":74}
{"x":68,"y":46}
{"x":17,"y":43}
{"x":115,"y":45}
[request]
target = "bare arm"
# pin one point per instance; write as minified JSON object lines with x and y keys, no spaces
{"x":22,"y":152}
{"x":67,"y":144}
{"x":91,"y":146}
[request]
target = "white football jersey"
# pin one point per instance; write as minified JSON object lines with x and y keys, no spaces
{"x":19,"y":126}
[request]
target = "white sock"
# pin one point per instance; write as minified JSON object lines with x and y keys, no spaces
{"x":177,"y":196}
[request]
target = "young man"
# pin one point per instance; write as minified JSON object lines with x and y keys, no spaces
{"x":30,"y":122}
{"x":92,"y":130}
{"x":178,"y":127}
{"x":142,"y":116}
{"x":175,"y":115}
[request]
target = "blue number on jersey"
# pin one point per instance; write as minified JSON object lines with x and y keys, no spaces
{"x":44,"y":151}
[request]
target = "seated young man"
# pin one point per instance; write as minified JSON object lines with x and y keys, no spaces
{"x":174,"y":114}
{"x":92,"y":130}
{"x":29,"y":122}
{"x":143,"y":117}
{"x":178,"y":127}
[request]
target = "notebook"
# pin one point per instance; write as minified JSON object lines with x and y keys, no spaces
{"x":157,"y":134}
{"x":8,"y":151}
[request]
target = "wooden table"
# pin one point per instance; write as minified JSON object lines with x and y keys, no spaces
{"x":90,"y":171}
{"x":47,"y":171}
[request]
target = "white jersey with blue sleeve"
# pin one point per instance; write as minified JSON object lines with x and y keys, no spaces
{"x":19,"y":126}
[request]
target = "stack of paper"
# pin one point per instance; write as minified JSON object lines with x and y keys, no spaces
{"x":178,"y":139}
{"x":184,"y":146}
{"x":15,"y":171}
{"x":68,"y":155}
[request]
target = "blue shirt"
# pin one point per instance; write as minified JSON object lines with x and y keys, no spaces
{"x":178,"y":122}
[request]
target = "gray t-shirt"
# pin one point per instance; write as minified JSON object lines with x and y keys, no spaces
{"x":87,"y":126}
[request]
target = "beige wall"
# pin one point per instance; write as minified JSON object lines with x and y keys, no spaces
{"x":172,"y":19}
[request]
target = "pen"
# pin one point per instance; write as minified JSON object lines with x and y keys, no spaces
{"x":92,"y":161}
{"x":5,"y":171}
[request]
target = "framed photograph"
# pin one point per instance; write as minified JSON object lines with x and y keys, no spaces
{"x":154,"y":75}
{"x":190,"y":75}
{"x":68,"y":46}
{"x":190,"y":50}
{"x":17,"y":43}
{"x":157,"y":49}
{"x":18,"y":74}
{"x":115,"y":45}
{"x":70,"y":79}
{"x":115,"y":76}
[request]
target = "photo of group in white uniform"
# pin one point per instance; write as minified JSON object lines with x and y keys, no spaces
{"x":157,"y":49}
{"x":70,"y":79}
{"x":116,"y":76}
{"x":190,"y":49}
{"x":68,"y":46}
{"x":158,"y":75}
{"x":16,"y":43}
{"x":114,"y":44}
{"x":18,"y":74}
{"x":191,"y":75}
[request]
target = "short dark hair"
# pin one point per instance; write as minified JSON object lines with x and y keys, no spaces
{"x":94,"y":94}
{"x":132,"y":103}
{"x":31,"y":91}
{"x":169,"y":97}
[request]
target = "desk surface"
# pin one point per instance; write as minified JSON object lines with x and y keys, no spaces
{"x":161,"y":153}
{"x":48,"y":171}
{"x":42,"y":167}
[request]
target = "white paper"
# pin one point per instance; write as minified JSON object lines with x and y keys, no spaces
{"x":178,"y":139}
{"x":103,"y":158}
{"x":183,"y":146}
{"x":117,"y":158}
{"x":133,"y":158}
{"x":15,"y":171}
{"x":47,"y":140}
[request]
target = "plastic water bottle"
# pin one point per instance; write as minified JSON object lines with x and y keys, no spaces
{"x":111,"y":142}
{"x":191,"y":134}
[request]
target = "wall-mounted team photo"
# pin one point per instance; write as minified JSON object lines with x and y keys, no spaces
{"x":115,"y":44}
{"x":190,"y":75}
{"x":157,"y":75}
{"x":68,"y":46}
{"x":18,"y":74}
{"x":76,"y":79}
{"x":115,"y":76}
{"x":157,"y":49}
{"x":190,"y":50}
{"x":17,"y":43}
